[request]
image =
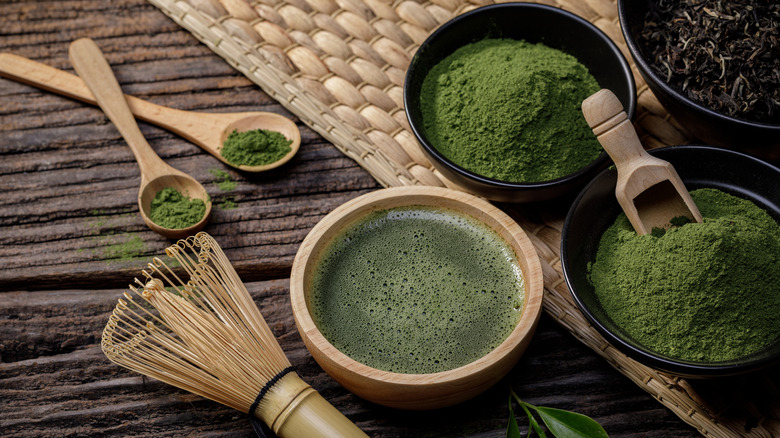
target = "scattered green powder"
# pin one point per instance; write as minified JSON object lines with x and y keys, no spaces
{"x":171,"y":209}
{"x":171,"y":262}
{"x":706,"y":292}
{"x":107,"y":244}
{"x":225,"y":183}
{"x":510,"y":110}
{"x":256,"y":147}
{"x":223,"y":180}
{"x":228,"y":204}
{"x":132,"y":247}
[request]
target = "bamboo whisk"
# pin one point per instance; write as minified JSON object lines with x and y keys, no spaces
{"x":207,"y":336}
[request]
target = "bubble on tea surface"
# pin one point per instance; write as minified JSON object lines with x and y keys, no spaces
{"x":406,"y":313}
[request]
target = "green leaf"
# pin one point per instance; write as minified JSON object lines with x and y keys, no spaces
{"x":512,"y":430}
{"x":531,"y":420}
{"x":566,"y":424}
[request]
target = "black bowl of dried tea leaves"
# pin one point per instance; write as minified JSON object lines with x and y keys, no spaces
{"x":713,"y":65}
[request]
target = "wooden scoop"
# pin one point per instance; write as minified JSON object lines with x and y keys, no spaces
{"x":207,"y":130}
{"x":648,"y":189}
{"x":90,"y":64}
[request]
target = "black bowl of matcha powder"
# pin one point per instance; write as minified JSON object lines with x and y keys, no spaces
{"x":510,"y":110}
{"x":704,"y":292}
{"x":494,"y":98}
{"x":698,"y":299}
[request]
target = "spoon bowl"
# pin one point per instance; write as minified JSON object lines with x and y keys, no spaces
{"x":156,"y":175}
{"x":184,"y":184}
{"x":259,"y":120}
{"x":207,"y":130}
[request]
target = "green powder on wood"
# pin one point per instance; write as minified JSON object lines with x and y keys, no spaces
{"x":225,"y":184}
{"x":171,"y":209}
{"x":223,"y":180}
{"x":704,"y":292}
{"x":130,"y":248}
{"x":510,"y":110}
{"x":256,"y":147}
{"x":228,"y":204}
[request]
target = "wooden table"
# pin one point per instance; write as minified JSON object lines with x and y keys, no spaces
{"x":71,"y":239}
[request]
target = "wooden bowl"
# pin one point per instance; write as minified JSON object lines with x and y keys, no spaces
{"x":416,"y":391}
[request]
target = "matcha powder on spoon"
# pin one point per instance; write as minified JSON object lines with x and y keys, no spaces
{"x":257,"y":147}
{"x":171,"y":209}
{"x":510,"y":110}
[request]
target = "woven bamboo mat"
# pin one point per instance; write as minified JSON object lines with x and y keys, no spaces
{"x":339,"y":66}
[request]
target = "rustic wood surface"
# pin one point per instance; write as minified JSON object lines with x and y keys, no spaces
{"x":71,"y":239}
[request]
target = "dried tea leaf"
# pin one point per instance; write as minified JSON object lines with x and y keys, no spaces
{"x":722,"y":54}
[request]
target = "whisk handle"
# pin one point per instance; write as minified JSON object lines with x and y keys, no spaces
{"x":305,"y":414}
{"x":315,"y":417}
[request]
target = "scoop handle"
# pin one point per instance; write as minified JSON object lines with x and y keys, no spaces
{"x":609,"y":122}
{"x":93,"y":68}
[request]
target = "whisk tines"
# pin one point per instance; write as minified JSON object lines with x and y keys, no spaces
{"x":191,"y":334}
{"x":207,"y":336}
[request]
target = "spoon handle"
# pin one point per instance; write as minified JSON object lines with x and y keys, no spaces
{"x":27,"y":71}
{"x":93,"y":68}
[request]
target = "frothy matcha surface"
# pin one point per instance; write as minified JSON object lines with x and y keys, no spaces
{"x":417,"y":290}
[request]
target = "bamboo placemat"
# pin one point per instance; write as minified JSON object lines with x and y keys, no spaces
{"x":339,"y":66}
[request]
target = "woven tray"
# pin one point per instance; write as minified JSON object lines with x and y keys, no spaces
{"x":339,"y":66}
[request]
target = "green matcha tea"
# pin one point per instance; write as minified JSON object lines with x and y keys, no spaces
{"x":416,"y":290}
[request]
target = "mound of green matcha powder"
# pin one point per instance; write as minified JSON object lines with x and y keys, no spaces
{"x":706,"y":292}
{"x":510,"y":110}
{"x":256,"y":147}
{"x":171,"y":209}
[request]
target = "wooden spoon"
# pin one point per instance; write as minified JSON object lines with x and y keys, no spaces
{"x":90,"y":64}
{"x":207,"y":130}
{"x":648,"y":189}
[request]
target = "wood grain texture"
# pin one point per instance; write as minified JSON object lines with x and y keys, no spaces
{"x":71,"y":239}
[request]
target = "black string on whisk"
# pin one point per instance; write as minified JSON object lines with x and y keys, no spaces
{"x":261,"y":429}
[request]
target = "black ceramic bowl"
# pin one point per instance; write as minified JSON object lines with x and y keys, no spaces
{"x":596,"y":208}
{"x":534,"y":23}
{"x":709,"y":126}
